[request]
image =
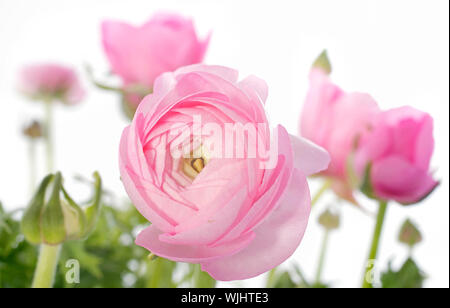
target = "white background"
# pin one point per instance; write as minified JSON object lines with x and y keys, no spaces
{"x":398,"y":51}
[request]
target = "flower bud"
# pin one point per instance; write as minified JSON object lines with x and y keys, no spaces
{"x":409,"y":234}
{"x":329,"y":220}
{"x":322,"y":62}
{"x":52,"y":216}
{"x":33,"y":130}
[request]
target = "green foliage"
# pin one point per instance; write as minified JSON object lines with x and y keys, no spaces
{"x":108,"y":258}
{"x":408,"y":276}
{"x":17,"y":257}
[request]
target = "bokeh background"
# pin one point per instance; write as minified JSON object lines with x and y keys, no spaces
{"x":398,"y":51}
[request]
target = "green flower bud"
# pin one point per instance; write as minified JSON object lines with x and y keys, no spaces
{"x":323,"y":62}
{"x":329,"y":220}
{"x":409,"y":234}
{"x":52,"y":216}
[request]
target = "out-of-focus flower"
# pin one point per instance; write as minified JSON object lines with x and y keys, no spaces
{"x":409,"y":234}
{"x":238,"y":215}
{"x":33,"y":130}
{"x":394,"y":156}
{"x":140,"y":54}
{"x":329,"y":220}
{"x":52,"y":217}
{"x":334,"y":120}
{"x":48,"y":82}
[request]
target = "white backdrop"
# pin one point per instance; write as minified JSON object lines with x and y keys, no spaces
{"x":398,"y":51}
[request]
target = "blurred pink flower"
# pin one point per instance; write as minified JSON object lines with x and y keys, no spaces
{"x":231,"y":215}
{"x":334,"y":119}
{"x":399,"y":149}
{"x":139,"y":54}
{"x":51,"y":82}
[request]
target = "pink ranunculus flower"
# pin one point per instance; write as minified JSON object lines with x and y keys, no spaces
{"x":334,"y":119}
{"x":233,"y":214}
{"x":51,"y":82}
{"x":140,"y":54}
{"x":398,"y":150}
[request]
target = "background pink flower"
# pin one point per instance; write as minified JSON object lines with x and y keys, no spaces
{"x":234,"y":218}
{"x":334,"y":119}
{"x":139,"y":54}
{"x":51,"y":81}
{"x":398,"y":148}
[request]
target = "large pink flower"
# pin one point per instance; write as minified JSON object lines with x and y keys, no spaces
{"x":51,"y":81}
{"x":139,"y":54}
{"x":398,"y":148}
{"x":236,"y":215}
{"x":334,"y":119}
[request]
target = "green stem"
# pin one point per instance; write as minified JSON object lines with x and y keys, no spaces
{"x":48,"y":255}
{"x":32,"y":166}
{"x":322,"y":256}
{"x":325,"y":186}
{"x":271,"y":278}
{"x":375,"y":243}
{"x":202,"y":279}
{"x":49,"y":134}
{"x":46,"y":266}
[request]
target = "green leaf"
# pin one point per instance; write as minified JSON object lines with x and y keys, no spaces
{"x":408,"y":276}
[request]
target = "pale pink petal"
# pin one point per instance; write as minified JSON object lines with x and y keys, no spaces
{"x":257,"y":85}
{"x":308,"y":157}
{"x":276,"y":239}
{"x":223,"y":72}
{"x":149,"y":239}
{"x":396,"y":178}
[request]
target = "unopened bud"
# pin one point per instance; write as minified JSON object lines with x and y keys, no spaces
{"x":329,"y":220}
{"x":409,"y":234}
{"x":322,"y":62}
{"x":52,"y":217}
{"x":33,"y":130}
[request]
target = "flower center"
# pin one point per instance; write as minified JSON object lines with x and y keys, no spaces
{"x":193,"y":165}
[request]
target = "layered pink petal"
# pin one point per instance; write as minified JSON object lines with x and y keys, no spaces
{"x":395,"y":178}
{"x":163,"y":44}
{"x":150,"y":239}
{"x":275,"y":240}
{"x":308,"y":157}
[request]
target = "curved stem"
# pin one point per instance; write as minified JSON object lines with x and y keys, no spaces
{"x":322,"y":257}
{"x":367,"y":281}
{"x":46,"y":266}
{"x":325,"y":186}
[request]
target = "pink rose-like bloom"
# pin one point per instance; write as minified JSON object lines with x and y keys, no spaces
{"x":233,"y":217}
{"x":51,"y":81}
{"x":334,"y":119}
{"x":399,"y":149}
{"x":140,"y":54}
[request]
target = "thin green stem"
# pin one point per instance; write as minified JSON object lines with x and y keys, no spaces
{"x":32,"y":166}
{"x":48,"y":255}
{"x":271,"y":277}
{"x":367,"y":280}
{"x":49,"y":134}
{"x":323,"y":252}
{"x":325,"y":186}
{"x":46,"y":266}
